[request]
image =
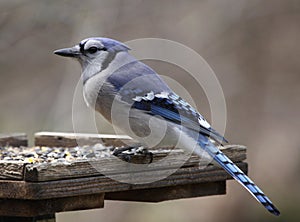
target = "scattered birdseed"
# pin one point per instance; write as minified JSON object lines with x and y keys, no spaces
{"x":42,"y":154}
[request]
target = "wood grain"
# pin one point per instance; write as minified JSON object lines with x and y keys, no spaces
{"x":102,"y":184}
{"x":12,"y":170}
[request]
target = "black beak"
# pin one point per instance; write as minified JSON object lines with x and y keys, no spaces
{"x":68,"y":52}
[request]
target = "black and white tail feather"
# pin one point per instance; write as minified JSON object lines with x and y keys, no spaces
{"x":237,"y":174}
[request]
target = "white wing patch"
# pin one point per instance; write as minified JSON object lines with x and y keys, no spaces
{"x":150,"y":96}
{"x":203,"y":122}
{"x":163,"y":95}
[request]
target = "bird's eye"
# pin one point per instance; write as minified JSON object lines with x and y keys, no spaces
{"x":92,"y":49}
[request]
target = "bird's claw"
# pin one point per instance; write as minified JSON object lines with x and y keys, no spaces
{"x":133,"y":154}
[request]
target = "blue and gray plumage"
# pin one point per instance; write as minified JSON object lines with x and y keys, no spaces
{"x":122,"y":88}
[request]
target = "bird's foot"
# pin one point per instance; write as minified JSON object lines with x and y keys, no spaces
{"x":134,"y":154}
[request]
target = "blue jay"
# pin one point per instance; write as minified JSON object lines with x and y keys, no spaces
{"x":115,"y":82}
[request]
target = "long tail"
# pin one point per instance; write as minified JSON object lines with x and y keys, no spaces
{"x":237,"y":174}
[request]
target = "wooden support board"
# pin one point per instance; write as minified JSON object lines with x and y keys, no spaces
{"x":169,"y":193}
{"x":13,"y":139}
{"x":53,"y":139}
{"x":34,"y":208}
{"x":79,"y":185}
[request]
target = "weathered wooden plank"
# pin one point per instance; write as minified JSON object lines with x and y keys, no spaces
{"x":13,"y":139}
{"x":56,"y":139}
{"x":169,"y":193}
{"x":112,"y":165}
{"x":12,"y":170}
{"x":99,"y":184}
{"x":34,"y":208}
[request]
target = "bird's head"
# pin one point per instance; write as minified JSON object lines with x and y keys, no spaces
{"x":93,"y":50}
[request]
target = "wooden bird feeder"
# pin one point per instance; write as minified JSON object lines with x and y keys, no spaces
{"x":35,"y":191}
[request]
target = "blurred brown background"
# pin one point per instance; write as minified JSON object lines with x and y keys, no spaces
{"x":253,"y":47}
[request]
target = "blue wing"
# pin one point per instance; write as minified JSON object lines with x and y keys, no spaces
{"x":150,"y":98}
{"x":173,"y":108}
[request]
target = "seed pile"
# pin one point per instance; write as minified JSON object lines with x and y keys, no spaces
{"x":44,"y":154}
